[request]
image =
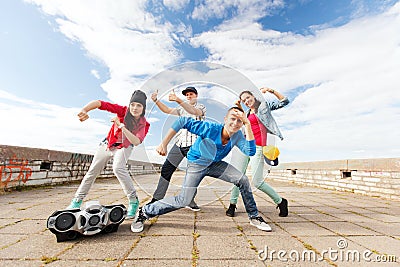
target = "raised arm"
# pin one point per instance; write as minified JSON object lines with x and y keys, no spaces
{"x":246,"y":123}
{"x":190,"y":124}
{"x":283,"y":100}
{"x":164,"y":108}
{"x":189,"y":108}
{"x":248,"y":146}
{"x":272,"y":91}
{"x":238,"y":104}
{"x":82,"y":115}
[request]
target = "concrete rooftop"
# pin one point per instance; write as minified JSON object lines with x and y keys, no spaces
{"x":332,"y":226}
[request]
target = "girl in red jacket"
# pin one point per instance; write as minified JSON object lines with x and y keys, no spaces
{"x":128,"y":130}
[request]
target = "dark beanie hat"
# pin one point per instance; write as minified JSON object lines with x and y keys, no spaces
{"x":139,"y":97}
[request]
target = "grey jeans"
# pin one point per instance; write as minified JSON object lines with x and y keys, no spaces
{"x":100,"y":159}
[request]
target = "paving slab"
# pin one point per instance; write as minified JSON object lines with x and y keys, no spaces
{"x":382,"y":228}
{"x":164,"y":226}
{"x":25,"y":226}
{"x":163,"y":247}
{"x":7,"y":240}
{"x":99,"y":247}
{"x":230,"y":263}
{"x":34,"y":247}
{"x":273,"y":216}
{"x":305,"y":228}
{"x":356,"y":218}
{"x":318,"y":219}
{"x":4,"y":222}
{"x":88,"y":263}
{"x":21,"y":263}
{"x":236,"y":247}
{"x":381,"y":244}
{"x":347,"y":228}
{"x":212,"y":228}
{"x":157,"y":262}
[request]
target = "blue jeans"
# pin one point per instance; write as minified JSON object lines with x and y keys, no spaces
{"x":194,"y":175}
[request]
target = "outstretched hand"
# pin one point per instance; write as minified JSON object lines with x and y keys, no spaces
{"x":154,"y":95}
{"x":172,"y":96}
{"x":83,"y":115}
{"x":238,"y":103}
{"x":162,"y":150}
{"x":266,"y":89}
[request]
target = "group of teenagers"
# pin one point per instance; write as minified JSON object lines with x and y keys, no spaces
{"x":205,"y":144}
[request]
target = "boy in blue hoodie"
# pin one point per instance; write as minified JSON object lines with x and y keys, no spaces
{"x":214,"y":142}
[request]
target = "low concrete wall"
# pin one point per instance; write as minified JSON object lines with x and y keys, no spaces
{"x":23,"y":166}
{"x":374,"y":177}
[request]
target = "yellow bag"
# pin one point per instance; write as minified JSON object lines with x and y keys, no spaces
{"x":271,"y":154}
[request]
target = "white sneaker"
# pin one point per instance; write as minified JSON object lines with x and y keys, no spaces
{"x":193,"y":207}
{"x":260,"y":224}
{"x":138,"y":224}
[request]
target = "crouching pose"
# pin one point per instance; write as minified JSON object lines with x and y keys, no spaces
{"x":205,"y":156}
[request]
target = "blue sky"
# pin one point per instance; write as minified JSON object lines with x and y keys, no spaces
{"x":337,"y":61}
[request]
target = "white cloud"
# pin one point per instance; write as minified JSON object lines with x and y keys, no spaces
{"x":352,"y":48}
{"x":211,"y":80}
{"x":352,"y":70}
{"x":54,"y":127}
{"x":35,"y":124}
{"x":242,"y":9}
{"x":123,"y":35}
{"x":153,"y":119}
{"x":176,"y":5}
{"x":95,"y":73}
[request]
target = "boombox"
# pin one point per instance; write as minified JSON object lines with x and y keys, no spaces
{"x":92,"y":219}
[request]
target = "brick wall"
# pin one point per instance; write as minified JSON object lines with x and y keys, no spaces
{"x":22,"y":166}
{"x":374,"y":177}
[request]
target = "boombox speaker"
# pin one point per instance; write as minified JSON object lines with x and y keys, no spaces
{"x":94,"y":218}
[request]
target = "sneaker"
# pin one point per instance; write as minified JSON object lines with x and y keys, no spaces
{"x":231,"y":210}
{"x":193,"y":206}
{"x":283,"y":208}
{"x":138,"y":225}
{"x":260,"y":224}
{"x":133,"y":206}
{"x":75,"y":204}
